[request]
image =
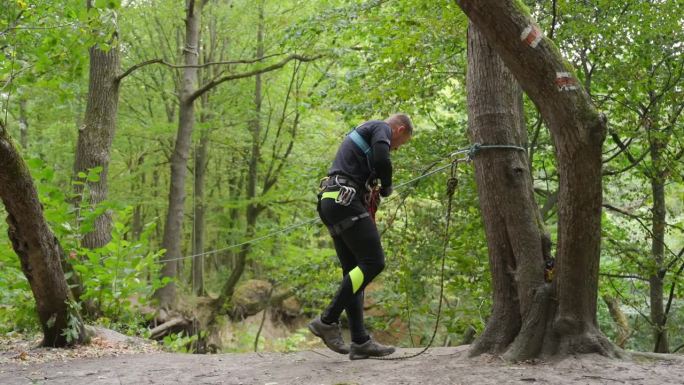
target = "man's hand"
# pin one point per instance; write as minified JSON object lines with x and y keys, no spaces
{"x":385,"y":191}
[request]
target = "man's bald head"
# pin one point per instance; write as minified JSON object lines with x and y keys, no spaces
{"x":401,"y":119}
{"x":402,"y":129}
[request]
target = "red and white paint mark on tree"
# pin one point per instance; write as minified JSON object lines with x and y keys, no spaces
{"x":531,"y":35}
{"x":566,"y":82}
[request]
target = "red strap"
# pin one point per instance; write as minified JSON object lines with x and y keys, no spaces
{"x":373,"y":203}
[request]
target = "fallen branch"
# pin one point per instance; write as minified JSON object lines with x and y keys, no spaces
{"x":164,"y":328}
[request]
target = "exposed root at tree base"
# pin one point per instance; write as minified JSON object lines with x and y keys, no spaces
{"x":592,"y":341}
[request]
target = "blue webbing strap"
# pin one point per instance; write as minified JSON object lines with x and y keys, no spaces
{"x":360,"y":142}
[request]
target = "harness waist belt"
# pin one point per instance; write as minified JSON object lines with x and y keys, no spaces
{"x":335,"y":180}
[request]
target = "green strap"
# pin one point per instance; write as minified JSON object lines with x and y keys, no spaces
{"x":356,"y":276}
{"x":330,"y":194}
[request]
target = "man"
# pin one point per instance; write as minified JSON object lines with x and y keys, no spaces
{"x":343,"y":201}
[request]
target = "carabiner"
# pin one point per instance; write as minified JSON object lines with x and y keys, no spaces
{"x":345,"y":196}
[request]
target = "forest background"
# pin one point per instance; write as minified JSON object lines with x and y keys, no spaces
{"x":281,"y":84}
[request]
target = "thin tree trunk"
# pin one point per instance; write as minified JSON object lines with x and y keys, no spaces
{"x":578,"y":132}
{"x":138,"y":213}
{"x":253,"y":208}
{"x":38,"y":249}
{"x":23,"y":122}
{"x":620,"y":320}
{"x":658,"y":319}
{"x":198,"y":233}
{"x":179,"y":160}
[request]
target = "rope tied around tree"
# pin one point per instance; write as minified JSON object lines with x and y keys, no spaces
{"x":477,"y":147}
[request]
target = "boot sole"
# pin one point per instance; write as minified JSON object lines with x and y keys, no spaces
{"x":313,"y":331}
{"x":353,"y":356}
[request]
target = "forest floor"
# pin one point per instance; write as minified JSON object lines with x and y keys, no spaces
{"x":119,"y":362}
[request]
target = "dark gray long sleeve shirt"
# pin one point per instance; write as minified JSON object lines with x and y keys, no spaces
{"x":351,"y":162}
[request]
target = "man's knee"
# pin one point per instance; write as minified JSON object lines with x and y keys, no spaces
{"x":375,"y":268}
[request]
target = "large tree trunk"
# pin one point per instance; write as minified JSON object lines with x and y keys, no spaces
{"x":38,"y":249}
{"x":179,"y":160}
{"x":95,"y":137}
{"x":578,"y":132}
{"x":93,"y":148}
{"x":505,"y":191}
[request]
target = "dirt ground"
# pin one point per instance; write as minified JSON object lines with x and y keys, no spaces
{"x":438,"y":366}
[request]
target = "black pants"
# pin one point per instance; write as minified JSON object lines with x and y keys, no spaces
{"x":362,"y":258}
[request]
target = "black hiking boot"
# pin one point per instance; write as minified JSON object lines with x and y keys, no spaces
{"x":369,"y":348}
{"x":330,"y":334}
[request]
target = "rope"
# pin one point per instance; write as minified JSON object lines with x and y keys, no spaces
{"x":254,"y":240}
{"x":452,"y":183}
{"x":476,"y":147}
{"x":470,"y":153}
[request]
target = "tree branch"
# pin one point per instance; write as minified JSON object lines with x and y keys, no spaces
{"x":625,"y":276}
{"x":171,"y":65}
{"x":247,"y":74}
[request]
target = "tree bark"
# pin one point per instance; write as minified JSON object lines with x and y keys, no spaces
{"x":179,"y":160}
{"x":38,"y":249}
{"x":578,"y":132}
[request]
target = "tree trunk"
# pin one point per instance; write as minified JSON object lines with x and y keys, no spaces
{"x":506,"y":198}
{"x":658,"y":318}
{"x":253,"y":208}
{"x":23,"y":123}
{"x":198,"y":233}
{"x":179,"y":160}
{"x":138,"y":213}
{"x":578,"y":132}
{"x":95,"y":138}
{"x":38,"y":249}
{"x":620,"y":319}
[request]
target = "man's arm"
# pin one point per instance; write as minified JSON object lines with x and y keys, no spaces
{"x":383,"y":166}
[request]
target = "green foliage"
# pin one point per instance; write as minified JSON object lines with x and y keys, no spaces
{"x":181,"y":343}
{"x":74,"y":325}
{"x":17,"y":306}
{"x":120,"y":277}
